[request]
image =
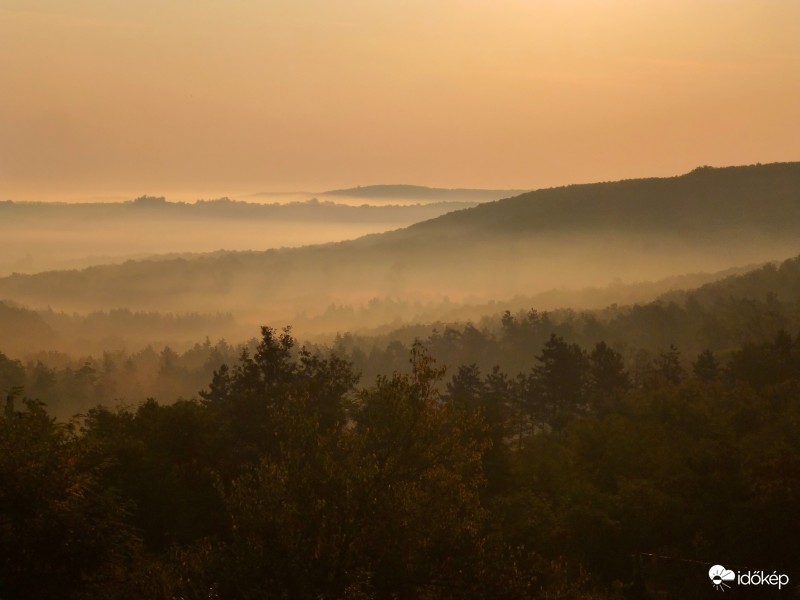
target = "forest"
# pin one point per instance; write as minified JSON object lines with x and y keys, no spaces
{"x":556,"y":455}
{"x":287,"y":477}
{"x":577,"y":236}
{"x":74,"y":362}
{"x":399,"y":300}
{"x":40,"y":236}
{"x":605,"y":443}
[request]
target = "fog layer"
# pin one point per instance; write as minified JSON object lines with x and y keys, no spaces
{"x":564,"y":238}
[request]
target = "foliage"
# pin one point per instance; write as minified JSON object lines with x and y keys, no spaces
{"x":61,"y":532}
{"x":287,"y":480}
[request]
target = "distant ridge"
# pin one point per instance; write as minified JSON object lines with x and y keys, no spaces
{"x":577,"y":236}
{"x":706,"y":201}
{"x":411,"y":192}
{"x":773,"y":282}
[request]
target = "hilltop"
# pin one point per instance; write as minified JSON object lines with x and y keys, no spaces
{"x":574,"y":237}
{"x":39,"y":236}
{"x":422,"y":193}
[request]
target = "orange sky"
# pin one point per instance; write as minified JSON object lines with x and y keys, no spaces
{"x":105,"y":98}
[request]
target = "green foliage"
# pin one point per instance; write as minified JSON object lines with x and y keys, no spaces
{"x":12,"y":374}
{"x":164,"y":459}
{"x":655,"y":226}
{"x":608,"y":379}
{"x":382,"y":503}
{"x":668,"y":366}
{"x":558,"y":383}
{"x":61,"y":532}
{"x":767,"y":363}
{"x":706,"y":367}
{"x":247,"y":399}
{"x":287,"y":481}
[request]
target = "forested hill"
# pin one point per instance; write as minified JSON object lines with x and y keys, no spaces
{"x":422,"y":193}
{"x":576,"y":237}
{"x":771,"y":282}
{"x":706,"y":201}
{"x":42,"y":236}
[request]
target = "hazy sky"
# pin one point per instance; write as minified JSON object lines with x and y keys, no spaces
{"x":211,"y":97}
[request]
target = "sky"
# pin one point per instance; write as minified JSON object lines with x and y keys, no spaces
{"x":105,"y":99}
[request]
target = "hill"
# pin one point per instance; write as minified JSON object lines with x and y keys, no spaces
{"x":571,"y":237}
{"x":755,"y":198}
{"x":749,"y":309}
{"x":421,"y":193}
{"x":38,"y":236}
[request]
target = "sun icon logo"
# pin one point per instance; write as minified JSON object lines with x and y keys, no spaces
{"x":719,"y":575}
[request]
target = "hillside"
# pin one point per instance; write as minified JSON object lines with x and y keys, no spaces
{"x":771,"y":282}
{"x":572,"y":237}
{"x":25,"y":331}
{"x":421,"y":193}
{"x":756,"y":198}
{"x":391,"y":195}
{"x":39,"y":236}
{"x":749,"y":308}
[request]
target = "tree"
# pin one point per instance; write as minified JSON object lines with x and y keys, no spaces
{"x":607,"y":373}
{"x":385,"y":506}
{"x":248,"y":396}
{"x":706,"y":368}
{"x":12,"y":374}
{"x":668,"y":366}
{"x":166,"y":460}
{"x":466,"y":387}
{"x":60,"y":531}
{"x":558,"y":382}
{"x":768,"y":363}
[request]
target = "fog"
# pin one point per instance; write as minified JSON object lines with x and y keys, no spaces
{"x":45,"y":236}
{"x":578,"y":247}
{"x":363,"y":285}
{"x":247,"y":352}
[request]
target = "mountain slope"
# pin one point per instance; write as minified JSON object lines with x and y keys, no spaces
{"x":38,"y":236}
{"x":706,"y":200}
{"x":576,"y":236}
{"x":770,"y":282}
{"x":421,"y":193}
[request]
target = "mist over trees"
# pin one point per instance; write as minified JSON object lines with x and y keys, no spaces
{"x":594,"y":234}
{"x":284,"y":479}
{"x":417,"y":193}
{"x":123,"y":357}
{"x":39,"y":236}
{"x":149,"y":449}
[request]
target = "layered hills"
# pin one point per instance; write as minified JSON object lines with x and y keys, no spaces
{"x":417,"y":193}
{"x":38,"y":236}
{"x":570,"y":237}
